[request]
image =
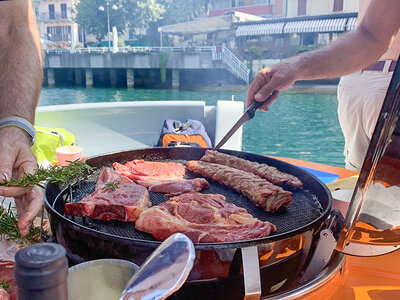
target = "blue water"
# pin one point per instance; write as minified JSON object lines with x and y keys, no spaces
{"x":299,"y":125}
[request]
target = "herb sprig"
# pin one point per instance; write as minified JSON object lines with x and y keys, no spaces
{"x":9,"y":228}
{"x":55,"y":174}
{"x":112,"y":186}
{"x":5,"y":284}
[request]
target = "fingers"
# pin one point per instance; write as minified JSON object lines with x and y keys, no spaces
{"x":29,"y":208}
{"x":14,"y":191}
{"x":260,"y":80}
{"x":271,"y":100}
{"x":16,"y":159}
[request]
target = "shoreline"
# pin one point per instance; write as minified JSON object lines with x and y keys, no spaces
{"x":297,"y":88}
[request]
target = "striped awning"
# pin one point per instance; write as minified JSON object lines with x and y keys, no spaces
{"x":260,"y":29}
{"x":351,"y":24}
{"x":326,"y":25}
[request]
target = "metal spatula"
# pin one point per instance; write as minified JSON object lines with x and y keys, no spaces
{"x":248,"y":115}
{"x":164,"y":271}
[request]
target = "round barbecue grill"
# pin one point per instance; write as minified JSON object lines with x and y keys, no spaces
{"x":217,"y":273}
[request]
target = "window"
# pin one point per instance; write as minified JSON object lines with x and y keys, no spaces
{"x":63,"y":11}
{"x":59,"y":33}
{"x":37,"y":13}
{"x":52,"y":15}
{"x":338,"y":5}
{"x":308,"y":39}
{"x":301,"y":7}
{"x":221,"y":4}
{"x":81,"y":36}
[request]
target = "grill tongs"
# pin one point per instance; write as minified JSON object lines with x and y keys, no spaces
{"x":248,"y":115}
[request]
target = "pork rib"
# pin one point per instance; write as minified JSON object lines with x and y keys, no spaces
{"x":204,"y":218}
{"x":265,"y":171}
{"x":121,"y":200}
{"x":261,"y":192}
{"x":175,"y":188}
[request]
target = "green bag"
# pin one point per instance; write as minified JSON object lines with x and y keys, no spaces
{"x":48,"y":139}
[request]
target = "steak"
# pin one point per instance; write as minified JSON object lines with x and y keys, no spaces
{"x":151,"y":171}
{"x":260,"y":191}
{"x":116,"y":197}
{"x":265,"y":171}
{"x":175,"y":188}
{"x":204,"y":218}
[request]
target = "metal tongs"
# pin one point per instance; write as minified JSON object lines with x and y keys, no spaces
{"x":248,"y":115}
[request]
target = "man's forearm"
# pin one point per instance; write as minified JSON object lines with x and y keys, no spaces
{"x":355,"y":50}
{"x":350,"y":53}
{"x":20,"y":60}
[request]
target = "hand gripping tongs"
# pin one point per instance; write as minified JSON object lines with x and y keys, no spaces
{"x":248,"y":115}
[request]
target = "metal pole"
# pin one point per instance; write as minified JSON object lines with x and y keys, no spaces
{"x":161,"y":38}
{"x":108,"y":26}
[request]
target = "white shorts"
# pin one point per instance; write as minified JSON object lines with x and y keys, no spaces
{"x":360,"y":98}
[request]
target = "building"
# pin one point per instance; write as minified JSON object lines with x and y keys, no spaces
{"x":264,"y":8}
{"x":56,"y":25}
{"x":309,"y":23}
{"x":297,"y":8}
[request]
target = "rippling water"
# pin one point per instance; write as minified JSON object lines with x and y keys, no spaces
{"x":299,"y":125}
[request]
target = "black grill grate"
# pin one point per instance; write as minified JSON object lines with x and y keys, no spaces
{"x":304,"y":210}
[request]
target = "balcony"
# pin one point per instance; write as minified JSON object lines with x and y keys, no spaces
{"x":56,"y":16}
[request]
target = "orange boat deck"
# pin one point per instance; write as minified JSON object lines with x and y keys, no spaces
{"x":376,"y":278}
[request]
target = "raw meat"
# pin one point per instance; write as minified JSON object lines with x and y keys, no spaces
{"x":265,"y":171}
{"x":116,"y":197}
{"x":7,"y":276}
{"x":204,"y":218}
{"x":260,"y":191}
{"x":175,"y":188}
{"x":151,"y":171}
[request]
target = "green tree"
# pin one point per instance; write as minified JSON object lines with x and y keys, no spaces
{"x":178,"y":11}
{"x":131,"y":13}
{"x":89,"y":18}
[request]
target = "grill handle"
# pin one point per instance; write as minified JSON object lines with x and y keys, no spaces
{"x":251,"y":273}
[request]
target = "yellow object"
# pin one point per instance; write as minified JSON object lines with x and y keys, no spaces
{"x":348,"y":183}
{"x":48,"y":139}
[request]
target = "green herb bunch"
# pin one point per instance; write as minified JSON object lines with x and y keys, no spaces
{"x":9,"y":229}
{"x":55,"y":174}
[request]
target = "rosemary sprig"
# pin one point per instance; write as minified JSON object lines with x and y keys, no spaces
{"x":9,"y":229}
{"x":55,"y":174}
{"x":5,"y":284}
{"x":111,"y":185}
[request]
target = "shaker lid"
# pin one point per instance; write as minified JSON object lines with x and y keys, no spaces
{"x":39,"y":255}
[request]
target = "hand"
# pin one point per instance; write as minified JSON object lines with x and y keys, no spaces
{"x":273,"y":79}
{"x":16,"y":158}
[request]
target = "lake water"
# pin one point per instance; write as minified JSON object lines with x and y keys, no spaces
{"x":298,"y":125}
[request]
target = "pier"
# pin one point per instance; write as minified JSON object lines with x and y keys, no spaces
{"x":165,"y":67}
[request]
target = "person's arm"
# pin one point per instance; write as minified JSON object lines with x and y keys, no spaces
{"x":20,"y":84}
{"x":351,"y":52}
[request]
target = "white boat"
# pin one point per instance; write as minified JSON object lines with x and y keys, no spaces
{"x":117,"y":126}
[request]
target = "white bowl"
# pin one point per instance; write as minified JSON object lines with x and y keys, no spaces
{"x":99,"y":279}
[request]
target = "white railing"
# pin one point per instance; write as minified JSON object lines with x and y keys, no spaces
{"x":197,"y":49}
{"x":235,"y":65}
